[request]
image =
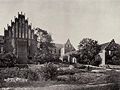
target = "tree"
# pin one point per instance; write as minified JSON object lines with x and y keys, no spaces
{"x":88,"y":49}
{"x":97,"y":60}
{"x":45,"y":46}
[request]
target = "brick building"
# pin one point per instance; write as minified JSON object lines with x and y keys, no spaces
{"x":19,"y":38}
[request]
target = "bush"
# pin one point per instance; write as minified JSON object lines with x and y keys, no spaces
{"x":28,"y":74}
{"x":20,"y":73}
{"x":8,"y":60}
{"x":67,"y":72}
{"x":113,"y":60}
{"x":49,"y":71}
{"x":63,"y":78}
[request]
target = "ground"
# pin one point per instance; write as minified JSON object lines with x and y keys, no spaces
{"x":79,"y":77}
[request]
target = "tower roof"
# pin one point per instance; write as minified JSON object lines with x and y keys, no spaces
{"x":68,"y":41}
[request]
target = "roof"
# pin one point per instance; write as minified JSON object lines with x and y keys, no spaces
{"x":59,"y":45}
{"x":69,"y":43}
{"x":105,"y":45}
{"x":1,"y":39}
{"x":70,"y":53}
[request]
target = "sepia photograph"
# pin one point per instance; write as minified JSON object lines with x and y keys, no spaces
{"x":59,"y":44}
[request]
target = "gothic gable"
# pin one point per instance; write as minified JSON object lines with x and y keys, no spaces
{"x":68,"y":46}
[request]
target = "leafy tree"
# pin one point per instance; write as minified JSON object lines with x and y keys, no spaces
{"x":45,"y":46}
{"x":96,"y":61}
{"x":88,"y":49}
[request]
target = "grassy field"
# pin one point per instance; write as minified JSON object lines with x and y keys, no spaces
{"x":78,"y":77}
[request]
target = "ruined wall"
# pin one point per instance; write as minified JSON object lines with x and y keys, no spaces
{"x":68,"y":46}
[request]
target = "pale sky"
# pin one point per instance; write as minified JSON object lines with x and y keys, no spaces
{"x":73,"y":19}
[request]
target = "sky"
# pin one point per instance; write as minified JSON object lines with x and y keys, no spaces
{"x":63,"y":19}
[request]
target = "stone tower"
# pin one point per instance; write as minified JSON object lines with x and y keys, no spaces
{"x":20,"y":39}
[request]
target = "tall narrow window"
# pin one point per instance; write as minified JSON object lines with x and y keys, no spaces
{"x":26,"y":29}
{"x":16,"y":27}
{"x":13,"y":28}
{"x":20,"y":28}
{"x":29,"y":33}
{"x":23,"y":29}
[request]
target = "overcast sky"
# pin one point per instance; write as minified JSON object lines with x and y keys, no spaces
{"x":73,"y":19}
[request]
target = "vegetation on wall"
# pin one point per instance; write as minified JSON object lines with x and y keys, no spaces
{"x":113,"y":54}
{"x":45,"y":46}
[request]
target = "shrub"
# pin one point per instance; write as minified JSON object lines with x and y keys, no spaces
{"x":67,"y":72}
{"x":20,"y":73}
{"x":63,"y":78}
{"x":49,"y":71}
{"x":73,"y":78}
{"x":8,"y":60}
{"x":28,"y":74}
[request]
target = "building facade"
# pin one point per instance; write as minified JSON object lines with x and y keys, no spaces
{"x":67,"y":47}
{"x":110,"y":53}
{"x":64,"y":51}
{"x":19,"y":38}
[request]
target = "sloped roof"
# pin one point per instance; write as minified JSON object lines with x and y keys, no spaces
{"x":1,"y":39}
{"x":70,"y":53}
{"x":105,"y":45}
{"x":59,"y":46}
{"x":68,"y":42}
